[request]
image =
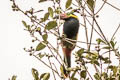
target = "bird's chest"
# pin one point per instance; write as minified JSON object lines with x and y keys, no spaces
{"x":69,"y":25}
{"x":70,"y":28}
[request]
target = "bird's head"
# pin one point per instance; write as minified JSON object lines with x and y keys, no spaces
{"x":65,"y":16}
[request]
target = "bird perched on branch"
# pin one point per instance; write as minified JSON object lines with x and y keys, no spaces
{"x":70,"y":32}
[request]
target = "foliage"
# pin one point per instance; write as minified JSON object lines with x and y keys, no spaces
{"x":48,"y":25}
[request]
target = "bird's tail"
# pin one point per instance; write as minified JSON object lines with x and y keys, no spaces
{"x":67,"y":61}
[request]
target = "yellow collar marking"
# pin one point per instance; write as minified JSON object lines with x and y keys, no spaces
{"x":74,"y":16}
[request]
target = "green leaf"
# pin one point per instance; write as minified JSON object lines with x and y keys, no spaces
{"x":105,"y":75}
{"x":42,"y":75}
{"x":57,"y":1}
{"x":35,"y":74}
{"x":68,"y":3}
{"x":41,"y":55}
{"x":106,"y":47}
{"x":100,"y":41}
{"x":45,"y":76}
{"x":90,"y":4}
{"x":38,"y":29}
{"x":50,"y":10}
{"x":73,"y":74}
{"x":26,"y":26}
{"x":87,"y":78}
{"x":113,"y":68}
{"x":40,"y":46}
{"x":62,"y":70}
{"x":95,"y":54}
{"x":83,"y":74}
{"x":74,"y":78}
{"x":96,"y":62}
{"x":42,"y":0}
{"x":79,"y":52}
{"x":24,"y":23}
{"x":105,"y":59}
{"x":70,"y":9}
{"x":14,"y":77}
{"x":51,"y":25}
{"x":97,"y":77}
{"x":46,"y":17}
{"x":45,"y":36}
{"x":58,"y":10}
{"x":112,"y":44}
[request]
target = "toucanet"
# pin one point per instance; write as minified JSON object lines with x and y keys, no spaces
{"x":70,"y":32}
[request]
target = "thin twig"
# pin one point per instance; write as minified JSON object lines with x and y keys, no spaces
{"x":111,"y":5}
{"x":100,"y":8}
{"x":52,"y":68}
{"x":91,"y":33}
{"x":55,"y":68}
{"x":115,"y":32}
{"x":94,"y":28}
{"x":55,"y":50}
{"x":86,"y":32}
{"x":101,"y":30}
{"x":53,"y":54}
{"x":79,"y":41}
{"x":47,"y":65}
{"x":109,"y":55}
{"x":88,"y":72}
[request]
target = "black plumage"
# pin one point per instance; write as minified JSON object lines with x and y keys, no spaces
{"x":71,"y":27}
